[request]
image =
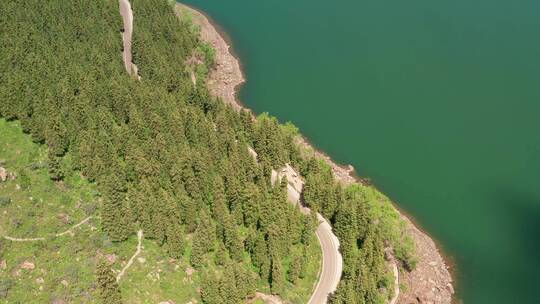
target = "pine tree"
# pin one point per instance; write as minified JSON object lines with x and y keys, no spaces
{"x":295,"y":268}
{"x":345,"y":227}
{"x":219,"y":207}
{"x":210,"y":292}
{"x":108,"y":289}
{"x":251,"y":204}
{"x":277,"y":277}
{"x":55,"y":167}
{"x":189,"y":212}
{"x":221,"y":254}
{"x":175,"y":240}
{"x":260,"y":255}
{"x":246,"y":283}
{"x":203,"y":240}
{"x":232,"y":240}
{"x":229,"y":291}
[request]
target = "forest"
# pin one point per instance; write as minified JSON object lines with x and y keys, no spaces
{"x":173,"y":161}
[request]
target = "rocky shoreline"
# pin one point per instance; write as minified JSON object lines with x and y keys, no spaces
{"x":431,"y":281}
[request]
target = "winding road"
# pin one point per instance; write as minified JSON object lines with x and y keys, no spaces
{"x":332,"y":262}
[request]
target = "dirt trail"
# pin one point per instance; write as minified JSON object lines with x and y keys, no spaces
{"x":69,"y":231}
{"x":137,"y":252}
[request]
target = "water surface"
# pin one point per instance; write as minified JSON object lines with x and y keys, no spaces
{"x":438,"y":102}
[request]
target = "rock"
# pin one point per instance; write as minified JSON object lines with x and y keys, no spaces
{"x":111,"y":258}
{"x":3,"y":174}
{"x":450,"y":288}
{"x":28,"y":265}
{"x":64,"y":218}
{"x":40,"y":280}
{"x":3,"y":265}
{"x":190,"y":271}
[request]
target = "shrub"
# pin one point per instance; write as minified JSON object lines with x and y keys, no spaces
{"x":5,"y":286}
{"x":4,"y":201}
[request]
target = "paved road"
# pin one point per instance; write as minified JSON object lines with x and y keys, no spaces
{"x":332,"y":263}
{"x":127,"y":16}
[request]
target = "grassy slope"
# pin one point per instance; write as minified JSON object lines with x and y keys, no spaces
{"x":34,"y":212}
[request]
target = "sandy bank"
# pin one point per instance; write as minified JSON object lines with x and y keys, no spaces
{"x":431,"y":281}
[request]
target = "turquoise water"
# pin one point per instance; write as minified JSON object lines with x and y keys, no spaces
{"x":438,"y":102}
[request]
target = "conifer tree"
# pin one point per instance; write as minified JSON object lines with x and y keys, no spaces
{"x":210,"y":292}
{"x":295,"y":268}
{"x":232,"y":240}
{"x":221,"y":254}
{"x":246,"y":283}
{"x":228,"y":287}
{"x":277,"y":277}
{"x":175,"y":240}
{"x":55,"y":167}
{"x":251,"y":204}
{"x":113,"y":212}
{"x":108,"y":289}
{"x":189,"y":212}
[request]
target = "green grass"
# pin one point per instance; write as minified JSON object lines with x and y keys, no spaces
{"x":36,"y":210}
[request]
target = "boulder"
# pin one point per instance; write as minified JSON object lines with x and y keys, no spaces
{"x":111,"y":258}
{"x":64,"y":218}
{"x":3,"y":174}
{"x":28,"y":265}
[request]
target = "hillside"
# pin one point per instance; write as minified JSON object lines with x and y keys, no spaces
{"x":162,"y":156}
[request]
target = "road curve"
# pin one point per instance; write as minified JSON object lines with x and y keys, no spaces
{"x":332,"y":263}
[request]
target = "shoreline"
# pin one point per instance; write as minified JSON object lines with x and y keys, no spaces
{"x":432,"y":259}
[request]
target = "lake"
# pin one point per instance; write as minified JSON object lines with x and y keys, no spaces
{"x":438,"y":102}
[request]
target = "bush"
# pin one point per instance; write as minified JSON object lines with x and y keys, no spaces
{"x":24,"y":180}
{"x":5,"y":286}
{"x":4,"y":201}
